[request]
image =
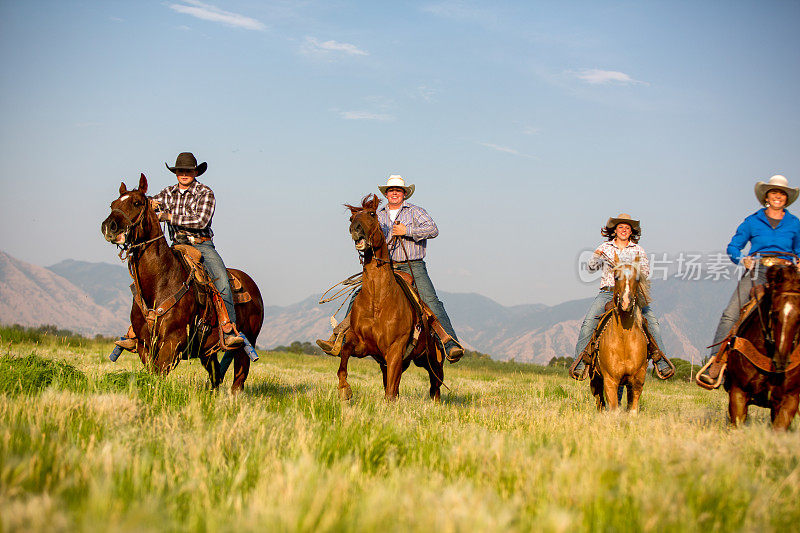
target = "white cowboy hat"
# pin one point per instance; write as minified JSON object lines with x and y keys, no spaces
{"x":776,"y":182}
{"x":622,"y":218}
{"x":396,"y":180}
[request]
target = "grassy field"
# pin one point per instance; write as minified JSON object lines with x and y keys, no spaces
{"x":89,"y":445}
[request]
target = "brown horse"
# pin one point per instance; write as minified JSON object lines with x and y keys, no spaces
{"x":382,"y":320}
{"x":622,"y":354}
{"x":186,"y":328}
{"x":771,"y":380}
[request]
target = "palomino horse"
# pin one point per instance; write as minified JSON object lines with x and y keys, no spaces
{"x":771,"y":380}
{"x":185,"y":328}
{"x":622,"y":353}
{"x":382,"y":320}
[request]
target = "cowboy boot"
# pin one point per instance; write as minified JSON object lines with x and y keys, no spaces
{"x":579,"y":370}
{"x":230,"y":337}
{"x":128,"y":342}
{"x":333,"y":346}
{"x":452,"y":348}
{"x":664,"y":367}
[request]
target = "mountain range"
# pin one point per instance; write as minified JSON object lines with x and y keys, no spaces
{"x":94,"y":298}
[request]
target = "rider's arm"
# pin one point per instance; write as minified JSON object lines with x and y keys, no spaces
{"x":644,"y":264}
{"x":422,"y":225}
{"x":739,"y":241}
{"x":596,"y":261}
{"x":200,"y":217}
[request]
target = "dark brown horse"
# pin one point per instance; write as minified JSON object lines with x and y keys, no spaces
{"x":382,"y":320}
{"x":187,"y":328}
{"x":764,"y":364}
{"x":622,"y":352}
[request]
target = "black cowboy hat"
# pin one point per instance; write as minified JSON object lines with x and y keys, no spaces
{"x":187,"y":161}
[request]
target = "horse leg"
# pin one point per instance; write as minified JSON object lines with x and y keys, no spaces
{"x":611,"y":387}
{"x":394,"y":369}
{"x":784,"y":412}
{"x":596,"y":386}
{"x":345,"y":392}
{"x":635,"y":387}
{"x":435,"y":373}
{"x":211,"y":364}
{"x":737,"y":406}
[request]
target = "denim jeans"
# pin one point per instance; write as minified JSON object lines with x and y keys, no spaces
{"x":426,"y":292}
{"x":216,"y":269}
{"x":740,"y":297}
{"x":593,"y":317}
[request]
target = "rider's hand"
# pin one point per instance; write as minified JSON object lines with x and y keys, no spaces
{"x":155,"y":205}
{"x":398,"y":230}
{"x":748,"y":262}
{"x":165,"y":217}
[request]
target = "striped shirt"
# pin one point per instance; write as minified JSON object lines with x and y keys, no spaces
{"x":419,"y":228}
{"x":191,"y":209}
{"x":605,"y":260}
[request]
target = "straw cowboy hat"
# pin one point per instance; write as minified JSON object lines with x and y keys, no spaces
{"x":396,"y":180}
{"x":186,"y":161}
{"x":623,"y":218}
{"x":776,"y":182}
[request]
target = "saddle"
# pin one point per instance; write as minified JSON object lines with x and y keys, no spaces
{"x":743,"y":346}
{"x":192,"y":259}
{"x":427,"y":318}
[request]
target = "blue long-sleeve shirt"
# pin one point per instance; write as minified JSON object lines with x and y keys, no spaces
{"x":763,"y":237}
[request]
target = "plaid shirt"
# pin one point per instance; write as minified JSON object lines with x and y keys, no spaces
{"x":628,"y":253}
{"x":191,"y":210}
{"x":419,"y":228}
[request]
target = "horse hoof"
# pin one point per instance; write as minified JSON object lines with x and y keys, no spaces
{"x":345,"y":393}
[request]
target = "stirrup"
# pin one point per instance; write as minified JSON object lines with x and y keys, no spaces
{"x":573,"y":372}
{"x":710,"y":384}
{"x":231,"y":341}
{"x":669,"y":372}
{"x":126,"y":343}
{"x":455,"y":353}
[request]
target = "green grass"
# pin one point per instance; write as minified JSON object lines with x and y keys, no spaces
{"x":86,"y":444}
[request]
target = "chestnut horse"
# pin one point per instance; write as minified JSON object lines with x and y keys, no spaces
{"x":622,"y":353}
{"x":771,"y":380}
{"x":382,"y":320}
{"x":160,"y":275}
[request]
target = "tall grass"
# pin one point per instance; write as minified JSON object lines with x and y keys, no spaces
{"x":87,"y":445}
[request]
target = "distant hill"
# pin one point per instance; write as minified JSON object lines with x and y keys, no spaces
{"x":32,"y":296}
{"x":94,"y":298}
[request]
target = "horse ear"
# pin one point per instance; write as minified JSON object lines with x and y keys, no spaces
{"x":122,"y":188}
{"x":143,"y":184}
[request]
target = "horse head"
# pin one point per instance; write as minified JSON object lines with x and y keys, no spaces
{"x":783,"y":288}
{"x":626,"y":283}
{"x":127,"y":223}
{"x":364,"y":227}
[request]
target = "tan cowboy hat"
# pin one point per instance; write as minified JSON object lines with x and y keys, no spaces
{"x":623,"y":218}
{"x":186,"y":161}
{"x":776,"y":182}
{"x":396,"y":180}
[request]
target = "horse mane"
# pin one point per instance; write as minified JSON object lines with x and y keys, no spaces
{"x":370,"y":201}
{"x":783,"y":278}
{"x":643,"y":292}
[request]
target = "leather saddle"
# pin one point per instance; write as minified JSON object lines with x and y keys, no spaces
{"x":193,"y":261}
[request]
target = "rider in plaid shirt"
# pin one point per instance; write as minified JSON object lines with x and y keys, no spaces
{"x":188,"y":207}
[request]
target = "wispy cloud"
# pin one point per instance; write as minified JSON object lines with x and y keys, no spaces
{"x":314,"y":46}
{"x":506,"y":150}
{"x":425,"y":93}
{"x":530,"y":130}
{"x":366,"y":115}
{"x":596,"y":76}
{"x":214,"y":14}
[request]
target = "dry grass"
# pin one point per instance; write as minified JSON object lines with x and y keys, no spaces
{"x":513,"y":447}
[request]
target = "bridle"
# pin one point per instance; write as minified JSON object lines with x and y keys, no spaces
{"x":369,"y":238}
{"x":126,"y":248}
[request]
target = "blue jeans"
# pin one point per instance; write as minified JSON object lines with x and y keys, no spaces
{"x":426,"y":292}
{"x":593,"y":317}
{"x":216,"y":269}
{"x":739,"y":297}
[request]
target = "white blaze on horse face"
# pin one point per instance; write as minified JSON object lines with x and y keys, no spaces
{"x":124,"y":198}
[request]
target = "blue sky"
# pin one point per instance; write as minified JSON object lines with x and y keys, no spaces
{"x":523,"y":125}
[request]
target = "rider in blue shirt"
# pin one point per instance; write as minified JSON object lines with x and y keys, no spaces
{"x":774,"y":236}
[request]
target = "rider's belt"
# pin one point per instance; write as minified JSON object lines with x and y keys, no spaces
{"x":183,"y":238}
{"x":773,"y":260}
{"x":606,"y":289}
